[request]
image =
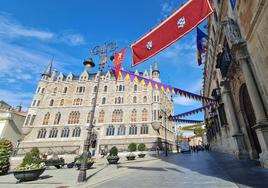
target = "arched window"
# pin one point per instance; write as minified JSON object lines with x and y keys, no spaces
{"x":101,"y":116}
{"x":46,"y":118}
{"x":144,"y":129}
{"x":77,"y":101}
{"x":38,"y":89}
{"x":53,"y":133}
{"x":135,"y":87}
{"x":55,"y":90}
{"x":119,"y":100}
{"x":51,"y":102}
{"x":95,"y":89}
{"x":38,"y":103}
{"x":144,"y":99}
{"x":32,"y":119}
{"x":110,"y":131}
{"x":89,"y":116}
{"x":57,"y":118}
{"x":134,"y":99}
{"x":117,"y":116}
{"x":76,"y":132}
{"x":28,"y":119}
{"x":61,"y":102}
{"x":144,"y":115}
{"x":42,"y":133}
{"x":120,"y":88}
{"x":65,"y":132}
{"x":103,"y":100}
{"x":121,"y":130}
{"x":105,"y":88}
{"x":134,"y":115}
{"x":34,"y":103}
{"x":133,"y":130}
{"x":74,"y":117}
{"x":42,"y":90}
{"x":65,"y":90}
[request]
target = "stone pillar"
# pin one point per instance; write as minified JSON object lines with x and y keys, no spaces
{"x":261,"y":127}
{"x":241,"y":151}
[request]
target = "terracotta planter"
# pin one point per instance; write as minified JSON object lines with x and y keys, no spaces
{"x":28,"y":175}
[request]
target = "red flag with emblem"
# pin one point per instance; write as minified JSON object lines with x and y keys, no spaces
{"x":118,"y":60}
{"x":181,"y":22}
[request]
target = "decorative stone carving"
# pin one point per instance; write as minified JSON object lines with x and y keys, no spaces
{"x":232,"y":32}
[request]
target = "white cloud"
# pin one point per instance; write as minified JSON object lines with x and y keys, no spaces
{"x":11,"y":29}
{"x":166,"y":8}
{"x":184,"y":101}
{"x":73,"y":39}
{"x":16,"y":98}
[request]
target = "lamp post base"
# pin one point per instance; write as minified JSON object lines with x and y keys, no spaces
{"x":82,"y":176}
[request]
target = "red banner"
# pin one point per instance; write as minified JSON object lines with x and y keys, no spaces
{"x":118,"y":60}
{"x":173,"y":28}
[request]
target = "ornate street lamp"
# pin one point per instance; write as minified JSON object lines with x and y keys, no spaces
{"x":102,"y":52}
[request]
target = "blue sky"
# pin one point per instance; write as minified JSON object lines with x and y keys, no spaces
{"x":31,"y":32}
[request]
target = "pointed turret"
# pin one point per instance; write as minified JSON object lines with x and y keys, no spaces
{"x":47,"y":72}
{"x":155,"y":72}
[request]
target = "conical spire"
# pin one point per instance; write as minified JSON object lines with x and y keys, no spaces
{"x":49,"y":68}
{"x":155,"y":67}
{"x":47,"y":72}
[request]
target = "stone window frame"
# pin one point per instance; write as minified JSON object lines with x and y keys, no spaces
{"x":110,"y":130}
{"x":53,"y":133}
{"x":65,"y":132}
{"x":46,"y":118}
{"x":133,"y":129}
{"x":41,"y":133}
{"x":144,"y":129}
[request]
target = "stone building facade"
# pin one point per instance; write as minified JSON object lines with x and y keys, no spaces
{"x":62,"y":105}
{"x":236,"y":74}
{"x":11,"y":123}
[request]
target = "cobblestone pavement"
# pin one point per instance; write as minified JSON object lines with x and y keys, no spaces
{"x":201,"y":169}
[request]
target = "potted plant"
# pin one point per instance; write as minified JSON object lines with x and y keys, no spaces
{"x":90,"y":162}
{"x":141,"y":148}
{"x":5,"y":151}
{"x":131,"y":148}
{"x":113,"y":158}
{"x":31,"y":167}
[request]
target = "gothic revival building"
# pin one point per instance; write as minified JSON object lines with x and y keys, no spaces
{"x":236,"y":74}
{"x":62,"y":106}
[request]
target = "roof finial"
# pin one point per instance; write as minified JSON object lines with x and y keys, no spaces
{"x":49,"y":68}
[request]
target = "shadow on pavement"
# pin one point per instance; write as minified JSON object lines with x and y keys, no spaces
{"x":223,"y":166}
{"x":96,"y":173}
{"x":143,"y":168}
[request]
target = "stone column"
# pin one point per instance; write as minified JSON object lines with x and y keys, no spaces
{"x":261,"y":127}
{"x":241,"y":151}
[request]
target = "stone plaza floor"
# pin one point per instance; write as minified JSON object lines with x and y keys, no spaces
{"x":202,"y":169}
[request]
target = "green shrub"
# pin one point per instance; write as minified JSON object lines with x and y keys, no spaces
{"x":31,"y":158}
{"x":132,"y":147}
{"x":113,"y":151}
{"x":141,"y":147}
{"x":5,"y":151}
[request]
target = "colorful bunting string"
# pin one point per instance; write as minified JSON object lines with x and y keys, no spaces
{"x":163,"y":87}
{"x":184,"y":120}
{"x":192,"y":112}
